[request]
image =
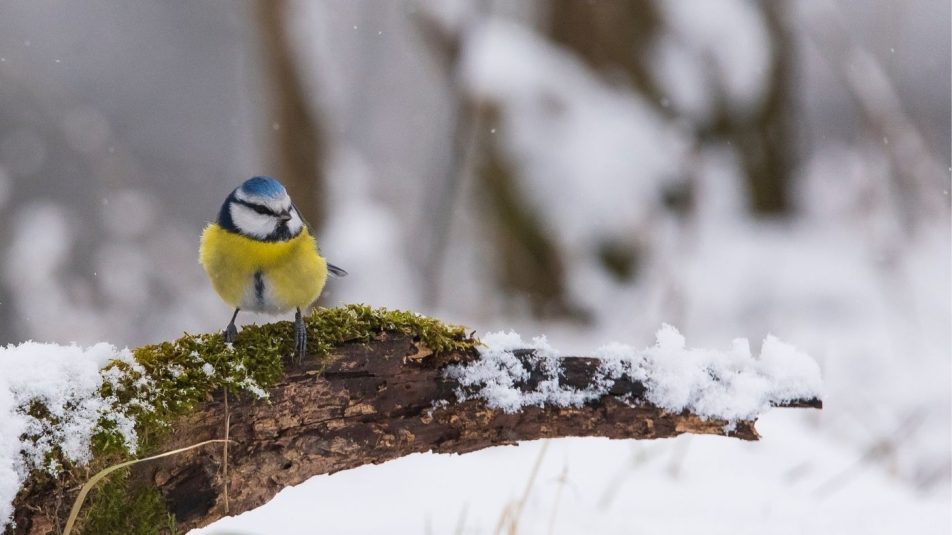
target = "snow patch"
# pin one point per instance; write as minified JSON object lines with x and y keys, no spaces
{"x":497,"y":374}
{"x":66,"y":380}
{"x":732,"y":385}
{"x":575,"y":140}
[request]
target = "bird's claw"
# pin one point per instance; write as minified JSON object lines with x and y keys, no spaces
{"x":300,"y":338}
{"x":231,"y":333}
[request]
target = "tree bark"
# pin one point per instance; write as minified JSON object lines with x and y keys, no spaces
{"x":371,"y":403}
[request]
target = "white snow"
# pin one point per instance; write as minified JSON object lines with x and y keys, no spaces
{"x":785,"y":484}
{"x":498,"y":370}
{"x":731,"y":385}
{"x":576,"y":140}
{"x":727,"y":37}
{"x":66,"y":380}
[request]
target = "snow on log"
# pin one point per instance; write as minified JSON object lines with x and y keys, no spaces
{"x":391,"y":395}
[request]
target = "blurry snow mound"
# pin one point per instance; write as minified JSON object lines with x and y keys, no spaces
{"x":365,"y":236}
{"x":133,"y":284}
{"x":577,"y":141}
{"x":726,"y":37}
{"x":731,"y":385}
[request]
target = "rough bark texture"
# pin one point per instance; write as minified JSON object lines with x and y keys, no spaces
{"x":372,"y":403}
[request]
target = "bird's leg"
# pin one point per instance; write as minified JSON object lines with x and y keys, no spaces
{"x":231,"y":332}
{"x":300,"y":336}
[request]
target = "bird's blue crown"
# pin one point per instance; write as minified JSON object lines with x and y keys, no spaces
{"x":263,"y":186}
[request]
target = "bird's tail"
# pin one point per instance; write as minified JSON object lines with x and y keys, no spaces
{"x":336,"y":271}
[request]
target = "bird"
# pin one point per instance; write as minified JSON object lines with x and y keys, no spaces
{"x":260,"y":256}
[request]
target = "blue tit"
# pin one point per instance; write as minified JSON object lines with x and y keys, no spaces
{"x":260,"y":256}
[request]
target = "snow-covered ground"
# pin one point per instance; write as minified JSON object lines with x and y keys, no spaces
{"x":793,"y":481}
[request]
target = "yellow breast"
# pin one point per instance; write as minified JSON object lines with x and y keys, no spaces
{"x":263,"y":276}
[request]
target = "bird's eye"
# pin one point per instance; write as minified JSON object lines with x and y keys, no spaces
{"x":261,"y":210}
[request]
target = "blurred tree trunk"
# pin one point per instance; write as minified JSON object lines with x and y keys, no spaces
{"x":528,"y":262}
{"x":763,"y":135}
{"x":296,"y":146}
{"x":615,"y":38}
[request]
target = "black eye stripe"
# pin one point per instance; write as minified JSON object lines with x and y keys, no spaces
{"x":263,"y":210}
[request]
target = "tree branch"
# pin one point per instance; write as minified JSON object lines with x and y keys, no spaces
{"x":373,"y":402}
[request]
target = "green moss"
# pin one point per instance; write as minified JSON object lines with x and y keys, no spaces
{"x":331,"y":327}
{"x":170,"y":379}
{"x":118,"y":507}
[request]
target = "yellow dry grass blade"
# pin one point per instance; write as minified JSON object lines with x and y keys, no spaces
{"x":78,"y":504}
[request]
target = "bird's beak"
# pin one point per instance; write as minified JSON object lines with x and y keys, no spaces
{"x":284,"y":217}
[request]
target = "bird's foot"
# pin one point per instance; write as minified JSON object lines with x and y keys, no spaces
{"x":231,"y":333}
{"x":300,"y":337}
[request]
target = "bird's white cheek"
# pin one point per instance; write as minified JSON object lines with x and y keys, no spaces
{"x":251,"y":223}
{"x":295,"y":223}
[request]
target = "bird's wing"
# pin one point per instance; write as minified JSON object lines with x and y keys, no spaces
{"x":336,"y":271}
{"x":331,"y":268}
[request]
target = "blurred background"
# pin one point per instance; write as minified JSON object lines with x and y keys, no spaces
{"x":582,"y":169}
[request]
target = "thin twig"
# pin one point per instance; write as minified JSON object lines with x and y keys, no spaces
{"x":563,"y":479}
{"x":639,"y":456}
{"x":227,"y":431}
{"x":461,"y":521}
{"x":867,"y":83}
{"x":877,"y":450}
{"x":520,"y":505}
{"x":504,"y":518}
